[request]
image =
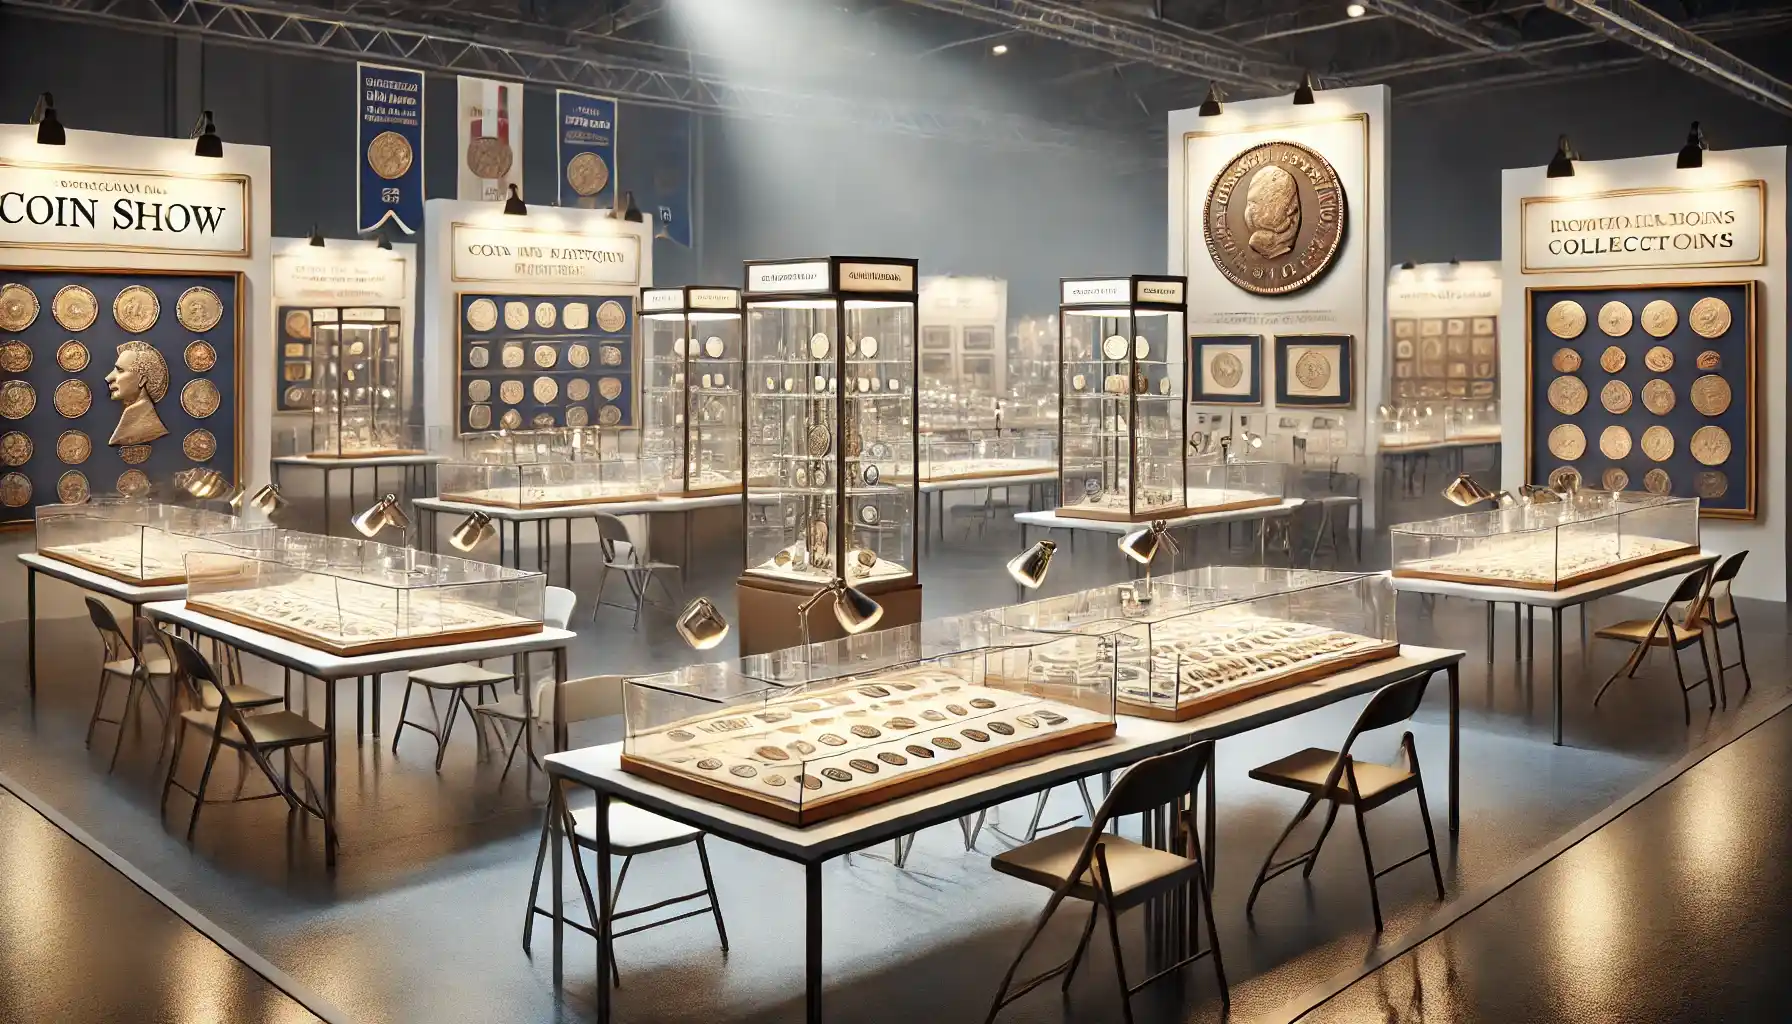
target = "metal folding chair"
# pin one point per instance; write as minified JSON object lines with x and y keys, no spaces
{"x":1676,"y":636}
{"x":120,"y":660}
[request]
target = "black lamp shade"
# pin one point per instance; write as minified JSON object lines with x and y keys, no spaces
{"x":1211,"y":106}
{"x":1562,"y":164}
{"x":1303,"y":93}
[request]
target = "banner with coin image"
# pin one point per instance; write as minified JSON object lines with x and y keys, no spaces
{"x":489,"y":122}
{"x":660,"y":171}
{"x":390,"y":165}
{"x":587,"y":149}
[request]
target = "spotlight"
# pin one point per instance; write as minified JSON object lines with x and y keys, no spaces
{"x":1211,"y":106}
{"x":1141,"y":546}
{"x":702,"y":624}
{"x":1537,"y":494}
{"x":317,"y":237}
{"x":625,"y":209}
{"x":999,"y":49}
{"x":379,"y":515}
{"x":1562,"y":164}
{"x":514,"y":205}
{"x":1465,"y":490}
{"x":1693,"y":153}
{"x":1303,"y":93}
{"x":473,"y":531}
{"x":266,"y":500}
{"x":855,"y":610}
{"x":202,"y":483}
{"x":382,"y":240}
{"x":1030,"y":566}
{"x":49,"y":129}
{"x":206,"y":135}
{"x":1355,"y":10}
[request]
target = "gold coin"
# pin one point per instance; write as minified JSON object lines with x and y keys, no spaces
{"x":1709,"y":317}
{"x":609,"y":416}
{"x":482,"y":314}
{"x":545,"y":389}
{"x":134,"y":454}
{"x":608,"y":388}
{"x":1658,"y":397}
{"x":578,"y":389}
{"x":516,"y":315}
{"x":1615,"y":396}
{"x":1614,"y":443}
{"x":1612,"y":359}
{"x":71,"y":355}
{"x":136,"y":309}
{"x":587,"y":173}
{"x":479,"y":390}
{"x":298,"y":324}
{"x":18,"y":307}
{"x":1656,"y":481}
{"x":542,"y":419}
{"x":1567,"y":395}
{"x":199,"y":309}
{"x":1615,"y":479}
{"x":16,"y":448}
{"x":479,"y":417}
{"x":1659,"y":359}
{"x":1226,"y":370}
{"x":577,"y":415}
{"x":1565,"y":478}
{"x":132,"y":483}
{"x":611,"y":317}
{"x":1658,"y":443}
{"x":73,"y":447}
{"x":71,"y":487}
{"x":199,"y":398}
{"x":511,"y":419}
{"x":15,"y":357}
{"x":1313,"y":370}
{"x":1711,"y":394}
{"x":298,"y":397}
{"x":1614,"y":318}
{"x":1566,"y":319}
{"x":72,"y":399}
{"x":1566,"y":360}
{"x":1708,"y":360}
{"x":546,"y":356}
{"x":489,"y":157}
{"x":511,"y":356}
{"x":1711,"y":484}
{"x":201,"y":356}
{"x":546,"y":313}
{"x":1274,"y":218}
{"x":17,"y":399}
{"x":479,"y":357}
{"x":75,"y":307}
{"x":15,"y":489}
{"x":1567,"y":441}
{"x":1710,"y":445}
{"x":576,"y":316}
{"x":390,"y":155}
{"x":578,"y":356}
{"x":510,"y":392}
{"x":199,"y":445}
{"x":609,"y":355}
{"x":1659,"y":318}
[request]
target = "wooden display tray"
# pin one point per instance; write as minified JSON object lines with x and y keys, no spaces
{"x":767,"y":618}
{"x":1226,"y":698}
{"x":1562,"y":584}
{"x":1079,"y":512}
{"x":367,"y":453}
{"x":812,"y":812}
{"x":703,"y":492}
{"x":136,"y":581}
{"x":530,"y":506}
{"x":1044,"y":467}
{"x":463,"y":636}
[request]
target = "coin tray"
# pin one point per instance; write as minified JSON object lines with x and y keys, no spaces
{"x":560,"y":338}
{"x":1202,"y":348}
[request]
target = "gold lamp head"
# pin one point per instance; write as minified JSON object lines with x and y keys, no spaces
{"x":379,"y":515}
{"x":204,"y":484}
{"x":1465,"y":490}
{"x":1141,"y":544}
{"x":473,"y":531}
{"x":855,"y":610}
{"x":702,"y":624}
{"x":265,"y":499}
{"x":1030,"y":566}
{"x":1537,"y":494}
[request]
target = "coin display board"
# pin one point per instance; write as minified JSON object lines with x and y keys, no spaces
{"x":1316,"y":370}
{"x":60,"y":332}
{"x":1645,"y":388}
{"x":293,"y":385}
{"x":1225,"y":369}
{"x":545,"y":361}
{"x":1445,"y":357}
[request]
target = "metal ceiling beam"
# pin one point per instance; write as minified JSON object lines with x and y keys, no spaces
{"x":1445,"y":20}
{"x":1629,"y":22}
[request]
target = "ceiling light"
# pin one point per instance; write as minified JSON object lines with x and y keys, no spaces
{"x":205,"y":134}
{"x":1210,"y":107}
{"x":999,"y":49}
{"x":1562,"y":164}
{"x":1303,"y":93}
{"x":317,"y":237}
{"x":1693,"y":153}
{"x":702,"y":624}
{"x":514,"y":205}
{"x":1029,"y":567}
{"x":1355,"y":10}
{"x":49,"y":129}
{"x":625,"y":208}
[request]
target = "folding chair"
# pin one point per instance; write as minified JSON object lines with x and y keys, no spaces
{"x":1664,"y":631}
{"x":1719,"y":607}
{"x":119,"y":660}
{"x":619,"y":554}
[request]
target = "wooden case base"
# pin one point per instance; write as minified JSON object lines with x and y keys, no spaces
{"x":768,"y":621}
{"x":1564,"y":583}
{"x":1199,"y":706}
{"x":1099,"y":515}
{"x":940,"y":478}
{"x":136,"y":581}
{"x":407,"y":643}
{"x":529,"y":506}
{"x":368,"y":453}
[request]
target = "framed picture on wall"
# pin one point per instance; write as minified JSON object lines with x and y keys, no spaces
{"x":1225,"y":369}
{"x":1316,"y":370}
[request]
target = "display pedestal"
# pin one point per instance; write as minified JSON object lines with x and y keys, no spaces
{"x":768,"y":620}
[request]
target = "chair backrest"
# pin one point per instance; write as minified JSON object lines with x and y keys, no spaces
{"x":559,"y":605}
{"x":1392,"y":704}
{"x":1693,"y":590}
{"x":188,"y":661}
{"x":581,"y":700}
{"x":1728,"y":568}
{"x":1155,"y":782}
{"x":611,"y":529}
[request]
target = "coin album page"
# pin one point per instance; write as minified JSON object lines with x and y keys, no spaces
{"x":63,"y":438}
{"x":1443,"y":357}
{"x":1225,"y":369}
{"x":1315,"y":370}
{"x":1645,"y":388}
{"x":292,"y":386}
{"x":534,"y":361}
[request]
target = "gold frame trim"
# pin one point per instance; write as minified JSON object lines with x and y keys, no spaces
{"x":1525,"y":203}
{"x":242,"y":179}
{"x":455,"y":226}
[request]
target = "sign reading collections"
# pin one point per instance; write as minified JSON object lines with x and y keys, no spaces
{"x":521,"y":255}
{"x":49,"y":207}
{"x":1712,"y":226}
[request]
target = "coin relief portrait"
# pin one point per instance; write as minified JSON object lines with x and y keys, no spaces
{"x":137,"y":381}
{"x":1275,"y":218}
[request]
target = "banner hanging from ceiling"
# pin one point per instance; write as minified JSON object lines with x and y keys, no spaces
{"x":389,"y":171}
{"x":489,"y":121}
{"x":586,"y":150}
{"x":660,"y":171}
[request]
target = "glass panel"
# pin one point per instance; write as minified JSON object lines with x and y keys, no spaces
{"x":357,"y":373}
{"x":139,"y":542}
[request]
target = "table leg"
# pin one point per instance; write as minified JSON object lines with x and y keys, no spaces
{"x":502,"y":545}
{"x":376,"y":707}
{"x":602,"y":848}
{"x":557,"y":840}
{"x":1555,"y":668}
{"x":330,"y":774}
{"x":329,"y":527}
{"x":1490,"y":605}
{"x":684,"y":562}
{"x":812,"y":942}
{"x":1210,"y":849}
{"x":31,"y":631}
{"x":559,"y":669}
{"x":569,"y":552}
{"x":1455,"y":677}
{"x":360,"y":710}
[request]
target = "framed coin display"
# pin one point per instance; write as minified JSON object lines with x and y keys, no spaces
{"x":1224,"y":369}
{"x":516,"y":337}
{"x":295,"y":357}
{"x":1315,"y":370}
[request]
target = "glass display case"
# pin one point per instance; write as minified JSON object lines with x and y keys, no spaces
{"x":352,"y":597}
{"x":139,"y":542}
{"x":691,"y":395}
{"x":1589,"y":535}
{"x":1473,"y":421}
{"x":1225,"y":484}
{"x":1409,"y":427}
{"x":535,"y":474}
{"x":808,"y":734}
{"x":830,"y":422}
{"x":357,"y":384}
{"x":1216,"y":636}
{"x":1024,"y":455}
{"x":1120,"y":431}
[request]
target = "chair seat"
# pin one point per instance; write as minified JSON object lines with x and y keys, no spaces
{"x":1306,"y":771}
{"x":508,"y":706}
{"x":156,"y":666}
{"x":1636,"y":631}
{"x":632,"y":830}
{"x":465,"y":674}
{"x":639,"y":566}
{"x":1138,"y":872}
{"x":1716,"y":617}
{"x":241,"y":696}
{"x":274,"y":729}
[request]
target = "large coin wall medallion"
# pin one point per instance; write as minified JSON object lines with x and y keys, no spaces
{"x":1275,"y":218}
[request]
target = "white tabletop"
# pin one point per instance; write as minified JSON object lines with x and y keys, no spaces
{"x":975,"y":482}
{"x":1052,"y":520}
{"x":100,"y":583}
{"x":1433,"y":446}
{"x":360,"y":461}
{"x":324,"y":665}
{"x":1579,"y":594}
{"x":1136,"y":738}
{"x":670,"y":503}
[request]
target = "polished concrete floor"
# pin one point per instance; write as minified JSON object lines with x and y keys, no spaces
{"x":422,"y":919}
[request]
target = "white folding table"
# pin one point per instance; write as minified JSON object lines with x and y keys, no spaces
{"x":93,"y":582}
{"x":1261,"y":515}
{"x":933,"y":504}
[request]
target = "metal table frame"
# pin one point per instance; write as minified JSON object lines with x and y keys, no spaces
{"x":86,"y":579}
{"x":419,"y":475}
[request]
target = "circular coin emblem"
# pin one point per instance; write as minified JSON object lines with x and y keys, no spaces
{"x":1614,"y":318}
{"x":1612,"y":359}
{"x":1566,"y":360}
{"x":390,"y":155}
{"x":1659,"y":318}
{"x":1615,"y":479}
{"x":1658,"y":443}
{"x":1275,"y":218}
{"x":18,"y":309}
{"x":1711,"y":394}
{"x":1568,"y":442}
{"x":1658,"y":397}
{"x":1313,"y":369}
{"x":1226,"y":369}
{"x":489,"y":158}
{"x":1708,"y":360}
{"x":16,"y":448}
{"x":1656,"y":481}
{"x":1709,"y":317}
{"x":73,"y":447}
{"x":1614,"y":443}
{"x":199,"y":309}
{"x":15,"y":357}
{"x":1710,"y":445}
{"x":1659,"y":359}
{"x":75,"y":307}
{"x":1615,"y":396}
{"x":71,"y":487}
{"x":587,"y":174}
{"x":1567,"y":395}
{"x":1711,"y":484}
{"x":200,"y":356}
{"x":71,"y":355}
{"x":1566,"y":319}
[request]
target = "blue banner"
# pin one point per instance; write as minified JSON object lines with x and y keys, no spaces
{"x":389,"y":169}
{"x":587,"y":150}
{"x":660,"y":170}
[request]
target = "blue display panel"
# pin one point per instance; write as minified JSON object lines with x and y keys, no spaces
{"x":1316,"y":370}
{"x":545,"y":338}
{"x":64,"y":446}
{"x":1725,"y":487}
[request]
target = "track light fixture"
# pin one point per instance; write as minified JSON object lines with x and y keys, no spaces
{"x":473,"y":531}
{"x":514,"y":205}
{"x":1030,"y":566}
{"x":1212,"y":105}
{"x":702,"y":624}
{"x":1303,"y":93}
{"x":317,"y":236}
{"x":49,"y":129}
{"x":625,"y":209}
{"x":205,"y":135}
{"x":1562,"y":164}
{"x":1693,"y":153}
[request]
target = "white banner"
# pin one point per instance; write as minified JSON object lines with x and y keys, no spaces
{"x":45,"y":206}
{"x":807,"y":276}
{"x":1433,"y":290}
{"x":489,"y":120}
{"x":506,"y":255}
{"x":1654,"y":228}
{"x":338,"y":280}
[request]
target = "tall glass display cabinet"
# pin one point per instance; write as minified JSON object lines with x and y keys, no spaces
{"x":692,"y":415}
{"x":1121,"y":342}
{"x":357,"y":374}
{"x":830,"y":443}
